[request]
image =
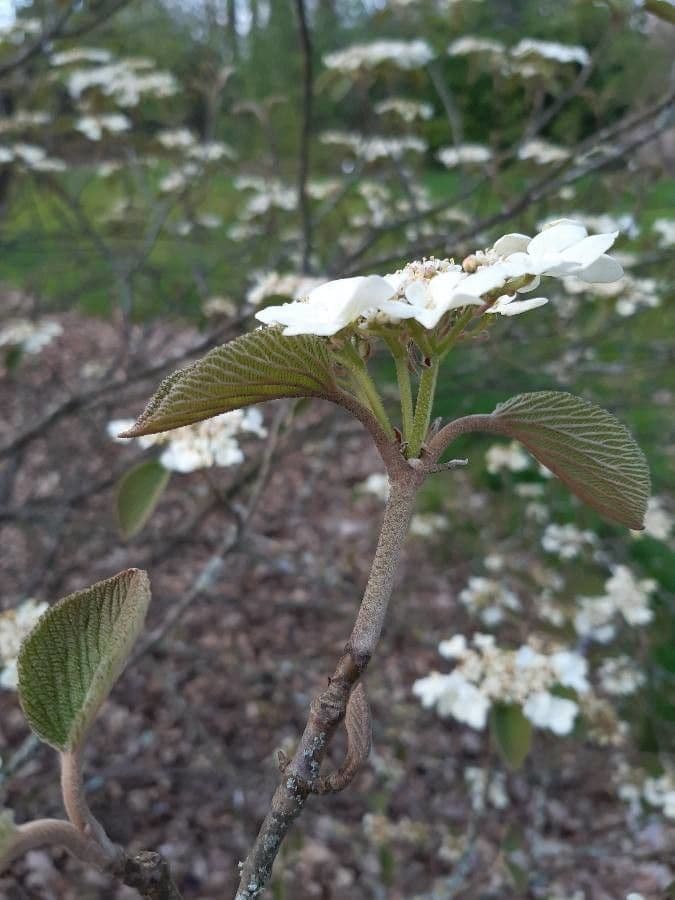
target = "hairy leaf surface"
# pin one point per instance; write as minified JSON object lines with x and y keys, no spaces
{"x":70,"y":661}
{"x":586,"y":447}
{"x":261,"y":365}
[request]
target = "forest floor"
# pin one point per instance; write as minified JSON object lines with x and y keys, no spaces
{"x":182,"y":758}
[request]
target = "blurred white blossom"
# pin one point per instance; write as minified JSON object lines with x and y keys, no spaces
{"x":620,"y":676}
{"x":513,"y":457}
{"x":15,"y":624}
{"x":212,"y":442}
{"x":29,"y":336}
{"x":401,"y":54}
{"x":486,"y":674}
{"x":406,"y":109}
{"x":625,"y":596}
{"x":464,"y":154}
{"x":488,"y":599}
{"x":567,"y":541}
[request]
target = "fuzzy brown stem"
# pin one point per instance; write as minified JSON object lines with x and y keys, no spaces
{"x":300,"y":776}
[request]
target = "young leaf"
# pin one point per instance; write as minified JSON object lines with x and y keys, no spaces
{"x":70,"y":661}
{"x":138,"y":493}
{"x":512,"y":733}
{"x":586,"y":447}
{"x":261,"y":365}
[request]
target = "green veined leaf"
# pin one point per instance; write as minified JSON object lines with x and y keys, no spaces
{"x":262,"y":365}
{"x":138,"y":493}
{"x":586,"y":447}
{"x":512,"y":733}
{"x":70,"y":661}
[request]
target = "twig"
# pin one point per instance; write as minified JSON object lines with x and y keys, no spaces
{"x":300,"y":775}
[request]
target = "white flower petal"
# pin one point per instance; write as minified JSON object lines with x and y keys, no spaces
{"x":604,"y":270}
{"x":556,"y":237}
{"x":511,"y":243}
{"x":588,"y":250}
{"x":508,"y":307}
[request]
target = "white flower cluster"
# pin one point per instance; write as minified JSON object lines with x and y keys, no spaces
{"x":176,"y":138}
{"x":619,"y":676}
{"x":464,"y":155}
{"x":486,"y":674}
{"x":636,"y":787}
{"x":542,"y":152}
{"x":29,"y":337}
{"x":198,"y":157}
{"x":280,"y":284}
{"x":631,"y":294}
{"x":200,"y":446}
{"x":126,"y":81}
{"x":567,"y":541}
{"x":488,"y":599}
{"x":524,"y":58}
{"x":550,"y":50}
{"x":658,"y":521}
{"x":370,"y":149}
{"x":407,"y":110}
{"x":428,"y":289}
{"x":426,"y":525}
{"x":377,"y":484}
{"x":80,"y":55}
{"x":469,"y":44}
{"x":401,"y":54}
{"x":625,"y":596}
{"x":23,"y":119}
{"x":511,"y":457}
{"x":93,"y":127}
{"x":15,"y":624}
{"x":665,"y":228}
{"x":30,"y":156}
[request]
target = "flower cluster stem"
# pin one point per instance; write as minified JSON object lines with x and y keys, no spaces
{"x":400,"y":355}
{"x":423,"y":407}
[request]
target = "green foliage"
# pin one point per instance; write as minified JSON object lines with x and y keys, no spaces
{"x":70,"y":661}
{"x":261,"y":365}
{"x":138,"y":493}
{"x":586,"y":447}
{"x":512,"y":733}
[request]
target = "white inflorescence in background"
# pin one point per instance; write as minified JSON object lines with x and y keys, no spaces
{"x":625,"y":597}
{"x":426,"y":290}
{"x":200,"y":446}
{"x":486,"y":674}
{"x":567,"y":541}
{"x":14,"y":626}
{"x":463,"y":155}
{"x":405,"y":109}
{"x":29,"y":336}
{"x":489,"y":599}
{"x":401,"y":54}
{"x":511,"y":457}
{"x":658,"y":521}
